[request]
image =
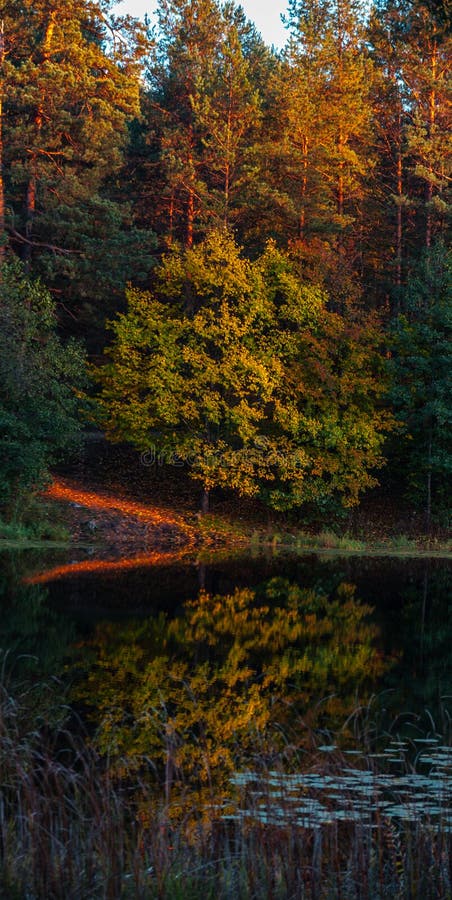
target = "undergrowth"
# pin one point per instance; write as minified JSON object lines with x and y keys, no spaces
{"x":38,"y":521}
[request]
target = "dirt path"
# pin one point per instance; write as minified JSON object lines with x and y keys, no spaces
{"x":151,"y":515}
{"x":119,"y":521}
{"x":123,"y":533}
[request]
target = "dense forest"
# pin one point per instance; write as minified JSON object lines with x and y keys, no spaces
{"x":234,"y":257}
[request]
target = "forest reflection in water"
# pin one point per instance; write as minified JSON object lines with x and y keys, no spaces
{"x":269,"y":661}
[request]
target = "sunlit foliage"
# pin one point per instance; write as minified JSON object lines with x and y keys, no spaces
{"x":240,"y":371}
{"x":229,"y":674}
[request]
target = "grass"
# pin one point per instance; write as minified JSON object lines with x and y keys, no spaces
{"x":300,"y":541}
{"x":329,"y":540}
{"x":70,"y":829}
{"x":39,"y":523}
{"x":217,"y":530}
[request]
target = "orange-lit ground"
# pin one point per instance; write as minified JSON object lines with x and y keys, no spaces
{"x":63,"y":490}
{"x":71,"y":493}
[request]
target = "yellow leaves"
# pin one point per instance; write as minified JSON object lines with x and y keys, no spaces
{"x":202,"y":688}
{"x":239,"y":369}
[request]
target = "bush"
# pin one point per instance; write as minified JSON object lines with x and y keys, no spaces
{"x":38,"y":389}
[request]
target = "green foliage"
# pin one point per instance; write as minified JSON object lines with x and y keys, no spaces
{"x":205,"y":82}
{"x":70,"y":87}
{"x":38,"y":381}
{"x":422,"y":372}
{"x":240,"y":371}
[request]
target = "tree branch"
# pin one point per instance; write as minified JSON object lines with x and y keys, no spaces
{"x":23,"y":240}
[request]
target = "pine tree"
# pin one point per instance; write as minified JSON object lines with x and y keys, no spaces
{"x":411,"y":48}
{"x":226,"y":111}
{"x":70,"y":87}
{"x":202,"y":106}
{"x":188,"y":34}
{"x":327,"y":140}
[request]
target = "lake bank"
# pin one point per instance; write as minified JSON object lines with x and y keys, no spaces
{"x":92,"y":518}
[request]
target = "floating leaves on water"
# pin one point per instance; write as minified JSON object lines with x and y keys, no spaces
{"x":356,"y":795}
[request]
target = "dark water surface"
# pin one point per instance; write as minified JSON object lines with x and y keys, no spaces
{"x":213,"y":659}
{"x":410,"y":600}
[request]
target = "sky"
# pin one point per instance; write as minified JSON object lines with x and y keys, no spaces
{"x":265,"y":13}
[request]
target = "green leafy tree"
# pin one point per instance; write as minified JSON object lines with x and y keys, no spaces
{"x":422,"y":371}
{"x":239,"y":370}
{"x":38,"y":382}
{"x":329,"y":401}
{"x":188,"y":372}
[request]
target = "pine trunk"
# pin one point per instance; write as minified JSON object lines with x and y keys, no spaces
{"x":304,"y":186}
{"x":399,"y":217}
{"x":2,"y":188}
{"x":190,"y":217}
{"x":30,"y":209}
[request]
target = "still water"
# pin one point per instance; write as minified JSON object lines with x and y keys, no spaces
{"x":329,"y":675}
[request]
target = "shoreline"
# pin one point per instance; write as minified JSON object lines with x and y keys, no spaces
{"x":98,"y":522}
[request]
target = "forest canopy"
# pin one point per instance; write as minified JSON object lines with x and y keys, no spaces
{"x":276,"y":222}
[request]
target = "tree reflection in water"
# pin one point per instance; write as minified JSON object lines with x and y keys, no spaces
{"x":229,"y":678}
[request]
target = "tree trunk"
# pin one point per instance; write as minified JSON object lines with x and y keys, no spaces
{"x":31,"y":187}
{"x":190,"y":217}
{"x":304,"y":185}
{"x":227,"y":168}
{"x":169,"y":239}
{"x":204,"y":501}
{"x":29,"y":216}
{"x":202,"y":572}
{"x":399,"y":220}
{"x":340,"y":187}
{"x":2,"y":189}
{"x":191,"y":197}
{"x":428,"y":504}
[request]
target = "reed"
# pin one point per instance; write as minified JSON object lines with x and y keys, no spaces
{"x":72,"y":827}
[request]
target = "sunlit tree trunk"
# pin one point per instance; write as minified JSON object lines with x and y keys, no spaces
{"x":205,"y":502}
{"x":399,"y":239}
{"x":431,"y":129}
{"x":304,"y":187}
{"x":2,"y":189}
{"x":190,"y":216}
{"x":32,"y":181}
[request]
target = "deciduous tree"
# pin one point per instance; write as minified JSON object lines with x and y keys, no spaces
{"x":243,"y":373}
